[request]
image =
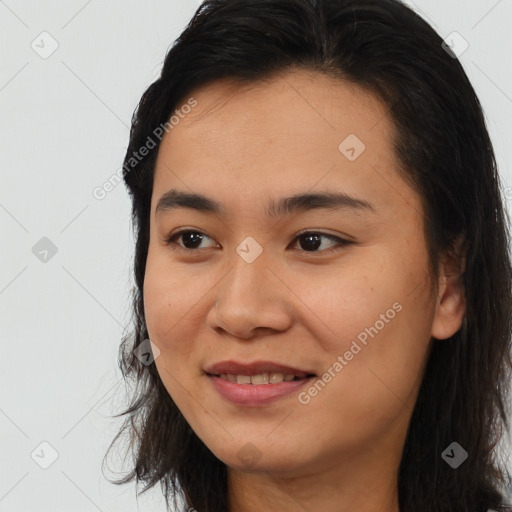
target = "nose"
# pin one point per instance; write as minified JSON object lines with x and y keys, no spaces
{"x":250,"y":300}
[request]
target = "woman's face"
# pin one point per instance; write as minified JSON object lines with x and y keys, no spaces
{"x":348,"y":301}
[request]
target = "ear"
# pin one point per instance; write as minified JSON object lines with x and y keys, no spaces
{"x":450,"y":301}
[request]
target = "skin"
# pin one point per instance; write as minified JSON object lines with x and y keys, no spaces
{"x":242,"y":146}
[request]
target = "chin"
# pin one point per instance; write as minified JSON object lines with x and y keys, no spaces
{"x":247,"y":456}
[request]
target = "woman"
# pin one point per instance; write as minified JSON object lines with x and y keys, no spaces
{"x":323,"y":282}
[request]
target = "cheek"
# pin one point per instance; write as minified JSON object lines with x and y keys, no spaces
{"x":341,"y":304}
{"x":167,"y":312}
{"x":156,"y":304}
{"x":168,"y":305}
{"x":176,"y":301}
{"x":377,"y":320}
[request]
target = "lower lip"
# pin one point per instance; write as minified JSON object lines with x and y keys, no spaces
{"x":255,"y":394}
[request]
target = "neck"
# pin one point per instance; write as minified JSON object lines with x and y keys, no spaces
{"x":361,"y":482}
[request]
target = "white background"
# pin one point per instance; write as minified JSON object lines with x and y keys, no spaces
{"x":64,"y":125}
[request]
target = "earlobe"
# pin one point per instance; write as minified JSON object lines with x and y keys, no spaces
{"x":450,"y":300}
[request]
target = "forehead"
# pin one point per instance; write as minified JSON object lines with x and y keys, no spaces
{"x":287,"y":96}
{"x":289,"y":132}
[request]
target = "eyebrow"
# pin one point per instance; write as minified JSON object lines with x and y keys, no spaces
{"x":175,"y":199}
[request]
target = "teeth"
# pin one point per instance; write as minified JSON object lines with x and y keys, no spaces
{"x":262,"y":378}
{"x":259,"y":379}
{"x":278,"y":377}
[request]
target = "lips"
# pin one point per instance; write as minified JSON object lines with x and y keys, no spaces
{"x":255,"y":368}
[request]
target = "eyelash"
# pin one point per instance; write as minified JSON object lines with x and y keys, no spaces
{"x":176,"y":247}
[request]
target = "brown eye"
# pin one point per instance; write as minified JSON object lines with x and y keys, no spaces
{"x":310,"y":241}
{"x":190,"y":239}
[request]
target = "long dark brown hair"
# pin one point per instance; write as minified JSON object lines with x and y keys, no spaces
{"x":445,"y":153}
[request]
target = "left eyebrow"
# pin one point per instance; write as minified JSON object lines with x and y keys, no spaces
{"x":320,"y":200}
{"x":176,"y":199}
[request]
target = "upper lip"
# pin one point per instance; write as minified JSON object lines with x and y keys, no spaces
{"x":254,"y":368}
